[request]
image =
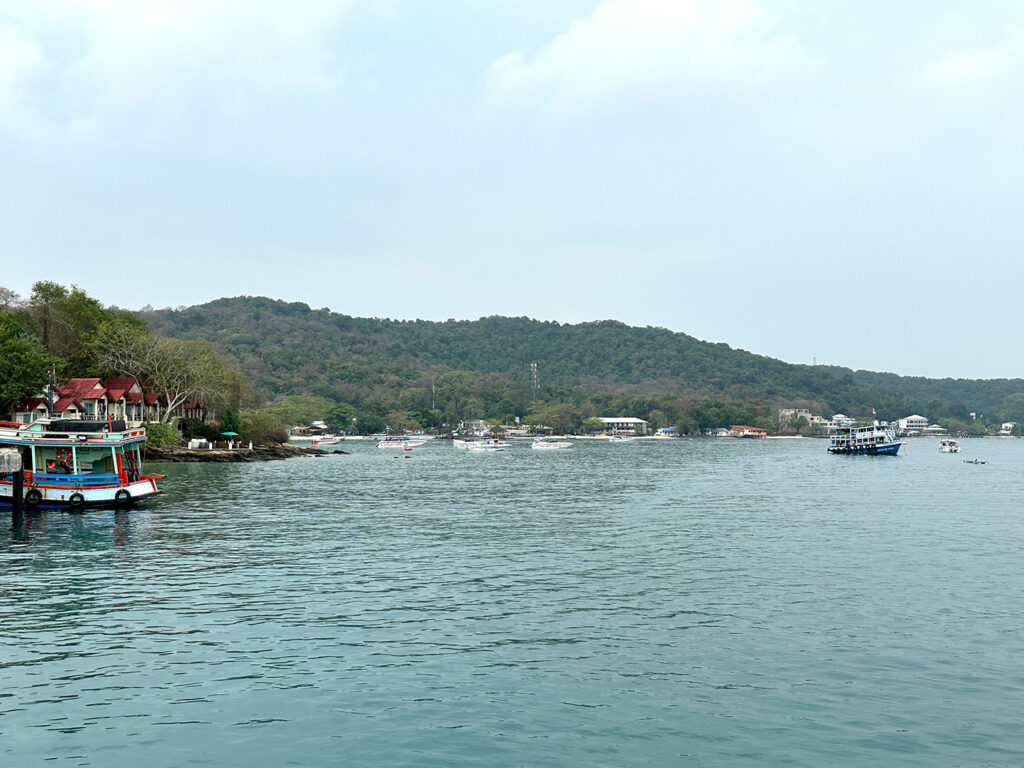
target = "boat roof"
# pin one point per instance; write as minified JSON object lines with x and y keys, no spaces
{"x":80,"y":432}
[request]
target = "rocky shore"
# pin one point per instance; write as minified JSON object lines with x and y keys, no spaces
{"x":258,"y":453}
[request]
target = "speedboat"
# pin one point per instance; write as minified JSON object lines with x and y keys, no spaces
{"x":77,"y":463}
{"x":550,"y":444}
{"x":399,"y":442}
{"x":949,"y":446}
{"x":487,"y":446}
{"x":326,"y":440}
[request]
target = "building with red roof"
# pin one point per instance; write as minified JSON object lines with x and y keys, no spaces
{"x":120,"y":397}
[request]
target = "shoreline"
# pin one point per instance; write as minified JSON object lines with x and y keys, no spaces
{"x":156,"y":455}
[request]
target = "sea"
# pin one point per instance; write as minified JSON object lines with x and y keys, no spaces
{"x":706,"y":602}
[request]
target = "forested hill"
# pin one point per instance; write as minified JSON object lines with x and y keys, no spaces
{"x":288,"y":348}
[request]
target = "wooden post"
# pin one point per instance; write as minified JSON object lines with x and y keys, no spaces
{"x":10,"y":463}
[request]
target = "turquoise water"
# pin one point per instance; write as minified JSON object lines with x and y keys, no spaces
{"x":707,"y":602}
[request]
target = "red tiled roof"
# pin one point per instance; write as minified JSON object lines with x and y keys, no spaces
{"x":66,"y":402}
{"x":132,"y":398}
{"x":150,"y":397}
{"x":193,"y":404}
{"x":89,"y":389}
{"x":120,"y":382}
{"x":115,"y":394}
{"x":31,"y":403}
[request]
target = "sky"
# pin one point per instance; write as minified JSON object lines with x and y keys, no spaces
{"x":827,"y":182}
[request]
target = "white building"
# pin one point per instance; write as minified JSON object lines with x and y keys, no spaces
{"x":913,"y":424}
{"x":787,"y":414}
{"x":619,"y":426}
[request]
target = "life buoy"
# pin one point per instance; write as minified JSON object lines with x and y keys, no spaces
{"x":76,"y":499}
{"x":64,"y":455}
{"x":123,"y":497}
{"x":33,"y":497}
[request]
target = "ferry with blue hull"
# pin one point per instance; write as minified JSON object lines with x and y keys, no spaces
{"x":864,"y":441}
{"x":77,"y":464}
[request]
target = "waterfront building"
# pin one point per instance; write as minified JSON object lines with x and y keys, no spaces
{"x":625,"y":426}
{"x":913,"y":425}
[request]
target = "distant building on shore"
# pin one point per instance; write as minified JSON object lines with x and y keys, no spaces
{"x":121,"y":397}
{"x":625,"y":426}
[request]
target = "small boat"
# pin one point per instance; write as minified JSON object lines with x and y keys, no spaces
{"x":973,"y":461}
{"x":864,"y":441}
{"x":550,"y":444}
{"x":399,"y":442}
{"x":326,"y":440}
{"x":949,"y":446}
{"x":620,"y":439}
{"x":77,"y":463}
{"x":487,"y":446}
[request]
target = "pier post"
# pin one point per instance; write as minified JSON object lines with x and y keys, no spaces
{"x":17,"y":494}
{"x":10,"y":464}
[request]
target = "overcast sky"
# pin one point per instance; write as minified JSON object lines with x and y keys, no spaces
{"x":829,"y":180}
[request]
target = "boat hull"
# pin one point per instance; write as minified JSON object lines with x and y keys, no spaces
{"x":877,"y":449}
{"x":72,"y":496}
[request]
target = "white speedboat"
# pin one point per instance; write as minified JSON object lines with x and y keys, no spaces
{"x":949,"y":446}
{"x":550,"y":444}
{"x":399,"y":442}
{"x":487,"y":446}
{"x":326,"y":440}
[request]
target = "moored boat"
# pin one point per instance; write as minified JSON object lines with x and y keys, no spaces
{"x":73,"y":463}
{"x":399,"y":442}
{"x":874,"y":440}
{"x":487,"y":446}
{"x":949,"y":446}
{"x":550,"y":444}
{"x":326,"y":440}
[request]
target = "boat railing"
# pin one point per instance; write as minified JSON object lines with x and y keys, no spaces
{"x":76,"y":480}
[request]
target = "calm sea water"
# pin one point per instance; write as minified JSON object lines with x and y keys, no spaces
{"x":706,"y":602}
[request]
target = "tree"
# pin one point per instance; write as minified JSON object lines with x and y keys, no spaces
{"x":23,"y":365}
{"x":339,"y":416}
{"x":66,"y":322}
{"x":1013,"y":407}
{"x":180,"y":370}
{"x":454,"y":387}
{"x":593,"y":424}
{"x":301,"y":409}
{"x":161,"y":435}
{"x":231,"y":423}
{"x":397,"y":421}
{"x":261,"y":427}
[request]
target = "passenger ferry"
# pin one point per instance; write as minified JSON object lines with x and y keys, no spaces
{"x":870,"y":441}
{"x":75,"y":463}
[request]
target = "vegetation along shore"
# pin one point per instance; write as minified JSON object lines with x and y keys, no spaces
{"x":251,"y":367}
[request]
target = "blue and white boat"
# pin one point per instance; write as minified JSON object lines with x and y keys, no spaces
{"x":73,"y":464}
{"x":864,"y":441}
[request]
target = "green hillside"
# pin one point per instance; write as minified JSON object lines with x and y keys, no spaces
{"x":288,"y":348}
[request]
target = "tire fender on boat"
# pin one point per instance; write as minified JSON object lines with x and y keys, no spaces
{"x":33,"y":496}
{"x":123,"y":497}
{"x":76,"y":499}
